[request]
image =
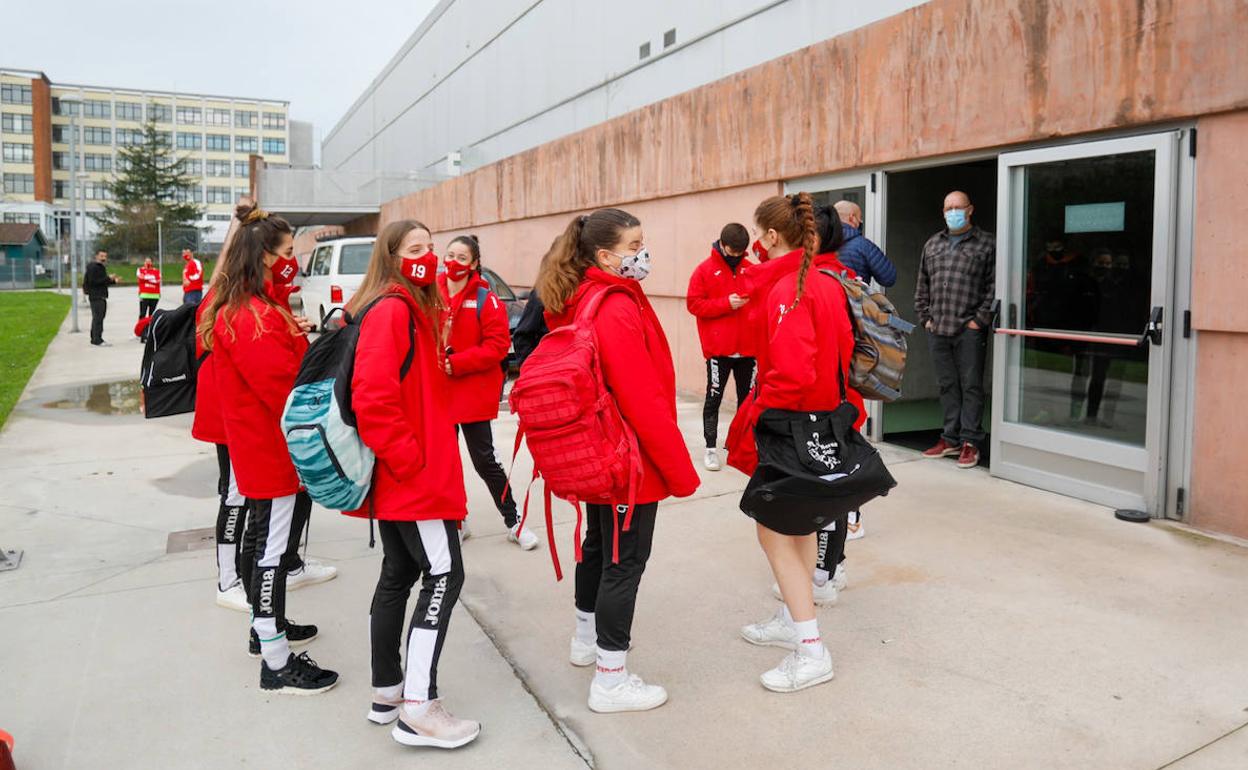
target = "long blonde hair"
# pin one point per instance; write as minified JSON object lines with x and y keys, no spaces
{"x":383,"y":273}
{"x":573,"y":252}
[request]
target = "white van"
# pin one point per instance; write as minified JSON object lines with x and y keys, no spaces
{"x":334,"y":271}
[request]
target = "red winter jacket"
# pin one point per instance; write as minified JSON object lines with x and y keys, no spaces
{"x":418,"y":474}
{"x":637,"y":368}
{"x":208,"y":425}
{"x":722,"y":330}
{"x":797,"y":366}
{"x":193,"y":275}
{"x":479,"y":338}
{"x":149,"y":280}
{"x":255,"y":358}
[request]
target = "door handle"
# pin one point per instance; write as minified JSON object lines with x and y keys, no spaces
{"x":995,"y":323}
{"x":1152,"y":331}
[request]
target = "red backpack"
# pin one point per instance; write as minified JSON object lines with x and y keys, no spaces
{"x":582,"y":448}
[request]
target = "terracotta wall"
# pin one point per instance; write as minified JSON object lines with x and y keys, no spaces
{"x":41,"y":120}
{"x":1219,"y":494}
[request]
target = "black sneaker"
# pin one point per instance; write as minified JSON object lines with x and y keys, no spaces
{"x":301,"y":676}
{"x":295,"y":635}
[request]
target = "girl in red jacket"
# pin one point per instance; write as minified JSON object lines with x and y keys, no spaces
{"x":256,"y":346}
{"x":808,"y":341}
{"x":417,"y":492}
{"x":477,"y":342}
{"x":602,"y":250}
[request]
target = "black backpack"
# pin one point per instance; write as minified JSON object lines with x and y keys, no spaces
{"x":169,"y":363}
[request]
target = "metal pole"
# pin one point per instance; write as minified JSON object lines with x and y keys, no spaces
{"x":160,"y":250}
{"x":73,"y":223}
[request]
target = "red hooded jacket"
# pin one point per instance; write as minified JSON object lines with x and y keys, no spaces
{"x":637,"y":369}
{"x":798,"y":362}
{"x":149,"y":280}
{"x":479,"y":338}
{"x":722,"y":330}
{"x":255,"y":358}
{"x":418,"y":474}
{"x":192,"y":275}
{"x":208,"y":425}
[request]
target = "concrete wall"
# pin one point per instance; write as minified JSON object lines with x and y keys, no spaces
{"x":1219,"y":495}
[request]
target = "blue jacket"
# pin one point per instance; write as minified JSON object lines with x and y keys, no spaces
{"x":865,"y":258}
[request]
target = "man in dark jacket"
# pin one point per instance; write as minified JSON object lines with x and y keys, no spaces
{"x":858,"y":253}
{"x":95,"y":282}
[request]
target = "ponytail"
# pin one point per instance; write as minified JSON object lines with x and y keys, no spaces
{"x":793,"y":218}
{"x":572,"y":253}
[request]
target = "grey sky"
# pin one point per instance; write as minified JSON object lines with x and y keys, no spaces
{"x":319,"y":55}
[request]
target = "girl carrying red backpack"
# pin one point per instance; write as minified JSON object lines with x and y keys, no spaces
{"x":598,"y":252}
{"x":417,"y":492}
{"x":256,"y":346}
{"x":477,"y":340}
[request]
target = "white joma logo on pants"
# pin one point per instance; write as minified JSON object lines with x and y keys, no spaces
{"x":435,"y":603}
{"x":266,"y":591}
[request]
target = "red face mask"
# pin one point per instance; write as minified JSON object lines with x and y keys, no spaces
{"x":284,"y":270}
{"x":760,"y":252}
{"x":420,"y":270}
{"x":456,"y":270}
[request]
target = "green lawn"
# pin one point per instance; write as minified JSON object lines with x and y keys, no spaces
{"x":172,"y":275}
{"x":28,"y":322}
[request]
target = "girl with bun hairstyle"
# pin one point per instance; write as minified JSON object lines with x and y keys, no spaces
{"x":417,"y":494}
{"x":600,"y":251}
{"x":807,"y":341}
{"x":256,"y":346}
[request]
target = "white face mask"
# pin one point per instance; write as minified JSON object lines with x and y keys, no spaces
{"x":634,"y":266}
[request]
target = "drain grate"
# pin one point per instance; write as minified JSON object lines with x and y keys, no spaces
{"x":191,"y":540}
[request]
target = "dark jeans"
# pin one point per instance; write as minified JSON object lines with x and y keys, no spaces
{"x":607,"y":589}
{"x":414,"y":550}
{"x":959,"y":363}
{"x":193,"y":297}
{"x":717,"y":371}
{"x":99,"y":306}
{"x":480,"y":441}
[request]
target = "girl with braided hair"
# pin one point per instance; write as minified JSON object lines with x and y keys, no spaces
{"x":806,"y":348}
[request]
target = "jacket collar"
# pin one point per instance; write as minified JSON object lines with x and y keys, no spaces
{"x":475,"y":280}
{"x":717,"y":251}
{"x":596,"y":279}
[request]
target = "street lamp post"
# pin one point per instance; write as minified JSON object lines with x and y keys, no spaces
{"x":160,"y":250}
{"x":73,"y":104}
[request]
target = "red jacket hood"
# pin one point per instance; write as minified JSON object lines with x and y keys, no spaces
{"x":475,"y":280}
{"x":595,"y":279}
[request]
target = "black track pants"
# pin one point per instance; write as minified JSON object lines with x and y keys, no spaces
{"x":231,"y":520}
{"x":480,"y":441}
{"x":717,"y":371}
{"x":607,"y":589}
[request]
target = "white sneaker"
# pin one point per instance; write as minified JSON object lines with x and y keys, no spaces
{"x":525,"y":539}
{"x":855,"y":530}
{"x":383,"y":711}
{"x":311,"y":573}
{"x":825,"y":595}
{"x":630,"y":695}
{"x":233,"y":598}
{"x":464,"y":532}
{"x":797,"y":672}
{"x":840,"y":578}
{"x":712,"y":460}
{"x":775,"y":632}
{"x":436,"y":727}
{"x":583,"y":653}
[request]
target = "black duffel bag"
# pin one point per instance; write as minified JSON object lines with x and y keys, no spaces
{"x":812,"y":468}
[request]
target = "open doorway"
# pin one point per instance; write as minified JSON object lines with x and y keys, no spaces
{"x":913,"y":214}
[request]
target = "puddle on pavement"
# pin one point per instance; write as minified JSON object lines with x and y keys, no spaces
{"x":107,"y":398}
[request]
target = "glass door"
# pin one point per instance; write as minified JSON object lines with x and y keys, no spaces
{"x":1084,"y":274}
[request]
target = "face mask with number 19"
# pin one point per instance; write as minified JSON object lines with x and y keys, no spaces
{"x":420,"y":270}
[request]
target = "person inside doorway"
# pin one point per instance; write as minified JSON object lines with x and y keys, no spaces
{"x":192,"y":279}
{"x":716,"y":297}
{"x":953,"y":300}
{"x":95,"y":283}
{"x":1063,"y":296}
{"x":859,"y":253}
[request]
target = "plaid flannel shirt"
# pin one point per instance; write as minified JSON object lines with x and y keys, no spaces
{"x":957,"y":283}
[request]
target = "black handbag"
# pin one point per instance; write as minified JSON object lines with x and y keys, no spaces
{"x":813,"y":467}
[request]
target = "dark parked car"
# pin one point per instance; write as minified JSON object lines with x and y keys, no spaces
{"x":514,"y":302}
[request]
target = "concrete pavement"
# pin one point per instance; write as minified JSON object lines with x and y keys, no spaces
{"x":986,"y":624}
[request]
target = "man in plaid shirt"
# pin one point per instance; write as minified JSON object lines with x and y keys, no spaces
{"x":953,"y":299}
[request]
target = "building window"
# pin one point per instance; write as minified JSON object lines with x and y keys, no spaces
{"x":96,"y":191}
{"x":275,"y":120}
{"x":245,"y":144}
{"x":161,"y":113}
{"x":97,"y":108}
{"x":164,"y":138}
{"x":60,"y":161}
{"x":274,"y":146}
{"x":19,"y":152}
{"x":241,"y":169}
{"x":58,"y":188}
{"x":643,"y":50}
{"x":97,"y":135}
{"x":19,"y":183}
{"x":93,"y":162}
{"x":217,"y":117}
{"x":245,"y":118}
{"x":129,"y":111}
{"x":63,"y":108}
{"x":193,"y":167}
{"x":219,"y":217}
{"x":60,"y":134}
{"x":12,"y":93}
{"x":189,"y":116}
{"x":20,"y":218}
{"x":669,"y":38}
{"x":241,"y":191}
{"x":16,"y":124}
{"x":127,"y":137}
{"x":218,"y":168}
{"x":190,"y":141}
{"x":219,"y":195}
{"x":219,"y":142}
{"x":194,"y":194}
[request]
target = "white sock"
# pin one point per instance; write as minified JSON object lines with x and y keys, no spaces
{"x":821,"y":577}
{"x":415,"y":708}
{"x":611,"y":669}
{"x":784,"y":613}
{"x":853,"y":517}
{"x":586,"y":628}
{"x":809,"y":644}
{"x":273,"y":645}
{"x":388,"y":694}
